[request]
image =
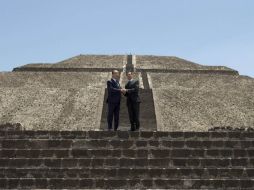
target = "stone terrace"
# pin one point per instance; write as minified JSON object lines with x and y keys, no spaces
{"x":84,"y":61}
{"x":174,"y":63}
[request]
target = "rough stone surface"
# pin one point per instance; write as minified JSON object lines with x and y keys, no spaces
{"x":11,"y":126}
{"x":86,"y":61}
{"x":184,"y":100}
{"x":126,"y":160}
{"x":199,"y":101}
{"x":54,"y":79}
{"x":172,"y":62}
{"x":179,"y":155}
{"x":52,"y":101}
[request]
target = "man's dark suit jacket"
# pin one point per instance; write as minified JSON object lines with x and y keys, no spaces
{"x":114,"y":93}
{"x":132,"y":93}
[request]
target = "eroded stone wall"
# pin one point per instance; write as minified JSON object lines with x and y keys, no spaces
{"x":187,"y":95}
{"x":85,"y":61}
{"x":197,"y":102}
{"x":52,"y":101}
{"x":171,"y":62}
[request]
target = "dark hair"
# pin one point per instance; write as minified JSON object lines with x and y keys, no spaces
{"x":113,"y":71}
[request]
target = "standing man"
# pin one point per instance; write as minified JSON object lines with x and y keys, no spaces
{"x":133,"y":101}
{"x":113,"y":100}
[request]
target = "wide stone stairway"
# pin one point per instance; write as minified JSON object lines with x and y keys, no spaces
{"x":126,"y":160}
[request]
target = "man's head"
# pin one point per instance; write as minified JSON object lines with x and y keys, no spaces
{"x":115,"y":74}
{"x":129,"y":75}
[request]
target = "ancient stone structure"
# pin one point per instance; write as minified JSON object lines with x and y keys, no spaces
{"x":126,"y":160}
{"x":195,"y":126}
{"x":177,"y":94}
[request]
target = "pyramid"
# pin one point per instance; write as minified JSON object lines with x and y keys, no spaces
{"x":196,"y":126}
{"x":69,"y":95}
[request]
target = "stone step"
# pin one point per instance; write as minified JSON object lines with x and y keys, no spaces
{"x":90,"y":183}
{"x":131,"y":173}
{"x":10,"y":127}
{"x":116,"y":143}
{"x":145,"y":159}
{"x":146,"y":135}
{"x":126,"y":162}
{"x":128,"y":153}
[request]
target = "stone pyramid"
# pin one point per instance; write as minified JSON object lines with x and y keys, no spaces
{"x":69,"y":95}
{"x":190,"y":138}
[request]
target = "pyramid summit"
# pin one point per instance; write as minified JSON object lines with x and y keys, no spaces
{"x":177,"y":94}
{"x":148,"y":62}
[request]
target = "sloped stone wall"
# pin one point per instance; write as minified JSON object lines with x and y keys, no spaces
{"x":85,"y":61}
{"x":187,"y":95}
{"x":52,"y":101}
{"x":172,"y":62}
{"x":197,"y":102}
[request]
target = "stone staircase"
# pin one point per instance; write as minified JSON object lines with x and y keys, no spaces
{"x":126,"y":160}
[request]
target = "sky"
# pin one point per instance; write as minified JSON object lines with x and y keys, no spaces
{"x":208,"y":32}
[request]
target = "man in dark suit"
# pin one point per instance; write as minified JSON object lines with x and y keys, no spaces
{"x":113,"y":100}
{"x":133,"y":101}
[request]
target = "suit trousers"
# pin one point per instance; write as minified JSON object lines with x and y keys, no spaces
{"x":133,"y":110}
{"x":113,"y":111}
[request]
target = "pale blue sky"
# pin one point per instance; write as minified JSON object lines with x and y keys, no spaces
{"x":210,"y":32}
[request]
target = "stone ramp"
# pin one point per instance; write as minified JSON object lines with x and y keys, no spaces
{"x":126,"y":160}
{"x":147,"y":112}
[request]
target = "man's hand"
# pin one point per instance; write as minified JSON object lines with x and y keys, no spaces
{"x":123,"y":91}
